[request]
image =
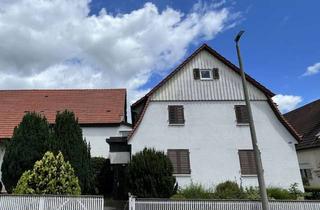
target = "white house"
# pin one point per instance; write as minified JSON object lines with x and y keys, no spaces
{"x":306,"y":120}
{"x":101,"y":113}
{"x":197,"y":116}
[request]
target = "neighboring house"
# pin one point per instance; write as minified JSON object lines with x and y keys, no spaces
{"x":197,"y":115}
{"x":306,"y":120}
{"x":101,"y":113}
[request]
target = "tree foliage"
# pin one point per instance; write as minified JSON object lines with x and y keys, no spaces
{"x":150,"y":175}
{"x":51,"y":175}
{"x":67,"y":138}
{"x":103,"y":175}
{"x":28,"y":144}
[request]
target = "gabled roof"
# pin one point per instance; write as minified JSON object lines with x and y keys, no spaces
{"x":91,"y":106}
{"x":306,"y":120}
{"x":266,"y":91}
{"x":269,"y":94}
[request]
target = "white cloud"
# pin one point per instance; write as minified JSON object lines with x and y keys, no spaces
{"x":311,"y":70}
{"x":286,"y":103}
{"x":55,"y":44}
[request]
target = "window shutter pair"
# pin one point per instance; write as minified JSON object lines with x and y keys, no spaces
{"x":180,"y":160}
{"x":247,"y":162}
{"x":176,"y":114}
{"x":242,"y":114}
{"x":196,"y":73}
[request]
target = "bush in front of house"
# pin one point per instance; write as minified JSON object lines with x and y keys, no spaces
{"x":67,"y":138}
{"x":312,"y":193}
{"x":195,"y":191}
{"x":150,"y":175}
{"x":103,"y":176}
{"x":50,"y":175}
{"x":229,"y":190}
{"x":28,"y":144}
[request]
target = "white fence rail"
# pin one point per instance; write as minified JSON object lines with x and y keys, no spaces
{"x":155,"y":204}
{"x":30,"y":202}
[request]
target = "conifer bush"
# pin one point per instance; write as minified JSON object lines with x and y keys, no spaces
{"x":51,"y":175}
{"x":28,"y":144}
{"x":67,"y":138}
{"x":150,"y":175}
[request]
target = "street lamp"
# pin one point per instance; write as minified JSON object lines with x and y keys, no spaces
{"x":257,"y":154}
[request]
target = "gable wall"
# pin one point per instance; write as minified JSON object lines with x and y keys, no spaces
{"x":182,"y":86}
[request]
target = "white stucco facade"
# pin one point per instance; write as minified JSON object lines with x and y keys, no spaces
{"x":213,"y":138}
{"x":97,"y":136}
{"x":310,"y":159}
{"x":210,"y":132}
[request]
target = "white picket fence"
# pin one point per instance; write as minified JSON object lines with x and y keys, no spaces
{"x":48,"y":202}
{"x":158,"y":204}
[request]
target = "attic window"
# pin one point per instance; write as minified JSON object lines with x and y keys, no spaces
{"x":206,"y":74}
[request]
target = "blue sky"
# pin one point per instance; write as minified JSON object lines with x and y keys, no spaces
{"x":281,"y":41}
{"x":134,"y":44}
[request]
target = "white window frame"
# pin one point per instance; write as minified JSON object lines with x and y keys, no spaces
{"x":210,"y":73}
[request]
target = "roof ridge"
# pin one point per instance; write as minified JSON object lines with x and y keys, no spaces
{"x":302,"y":107}
{"x":63,"y":89}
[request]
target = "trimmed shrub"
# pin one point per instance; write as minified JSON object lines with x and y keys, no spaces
{"x":312,"y":193}
{"x":279,"y":193}
{"x":196,"y":191}
{"x":252,"y":193}
{"x":229,"y":190}
{"x":150,"y":175}
{"x":28,"y":144}
{"x":67,"y":138}
{"x":103,"y":176}
{"x":51,"y":175}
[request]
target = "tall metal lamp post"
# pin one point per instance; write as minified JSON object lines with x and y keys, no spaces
{"x":257,"y":154}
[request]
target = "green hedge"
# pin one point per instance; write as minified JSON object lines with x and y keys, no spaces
{"x":231,"y":190}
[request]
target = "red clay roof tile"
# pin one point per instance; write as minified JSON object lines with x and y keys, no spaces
{"x":91,"y":106}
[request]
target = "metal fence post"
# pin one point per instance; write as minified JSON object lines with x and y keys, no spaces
{"x":132,"y":202}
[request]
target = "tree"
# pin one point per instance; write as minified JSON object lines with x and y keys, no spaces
{"x":103,"y":175}
{"x":150,"y":175}
{"x":51,"y":175}
{"x":67,"y":138}
{"x":29,"y":142}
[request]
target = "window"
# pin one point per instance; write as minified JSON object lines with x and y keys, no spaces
{"x":242,"y":114}
{"x":180,"y":160}
{"x":176,"y":115}
{"x":247,"y":162}
{"x":205,"y":74}
{"x":306,"y":174}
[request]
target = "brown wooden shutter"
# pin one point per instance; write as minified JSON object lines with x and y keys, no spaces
{"x":215,"y":73}
{"x":180,"y":160}
{"x":247,"y":162}
{"x":196,"y":73}
{"x":176,"y":114}
{"x":242,"y":114}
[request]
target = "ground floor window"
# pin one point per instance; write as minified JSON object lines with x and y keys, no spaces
{"x":247,"y":162}
{"x":180,"y":160}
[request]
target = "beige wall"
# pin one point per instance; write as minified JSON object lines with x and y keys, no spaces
{"x":310,"y":159}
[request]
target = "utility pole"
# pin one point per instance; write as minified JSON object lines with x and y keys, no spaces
{"x":257,"y":154}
